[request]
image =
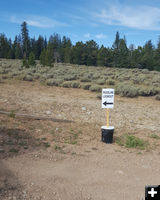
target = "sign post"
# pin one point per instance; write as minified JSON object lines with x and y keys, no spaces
{"x":107,"y":103}
{"x":107,"y":117}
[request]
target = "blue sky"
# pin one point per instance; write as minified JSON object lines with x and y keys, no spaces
{"x":83,"y":20}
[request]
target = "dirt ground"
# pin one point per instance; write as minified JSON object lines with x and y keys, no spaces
{"x":65,"y":160}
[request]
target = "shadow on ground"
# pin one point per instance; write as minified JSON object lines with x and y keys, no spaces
{"x":10,"y":187}
{"x":13,"y":142}
{"x":16,"y":141}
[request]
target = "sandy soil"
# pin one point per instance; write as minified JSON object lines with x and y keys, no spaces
{"x":43,"y":159}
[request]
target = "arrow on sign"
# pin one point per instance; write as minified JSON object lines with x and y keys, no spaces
{"x":107,"y":103}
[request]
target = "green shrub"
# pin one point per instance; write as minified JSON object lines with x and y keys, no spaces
{"x":131,"y":141}
{"x":95,"y":88}
{"x":75,"y":85}
{"x":48,"y":76}
{"x":154,"y":84}
{"x":111,"y":82}
{"x":4,"y":71}
{"x":135,"y":142}
{"x":145,"y":71}
{"x":86,"y":86}
{"x":139,"y":79}
{"x":28,"y":78}
{"x":100,"y":81}
{"x":154,"y":136}
{"x":36,"y":76}
{"x":96,"y":76}
{"x":147,"y":91}
{"x":33,"y":70}
{"x":70,"y":77}
{"x":66,"y":84}
{"x":85,"y":79}
{"x":54,"y":82}
{"x":126,"y":90}
{"x":156,"y":79}
{"x":14,"y":74}
{"x":157,"y":97}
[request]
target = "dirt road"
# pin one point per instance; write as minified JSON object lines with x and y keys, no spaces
{"x":60,"y":160}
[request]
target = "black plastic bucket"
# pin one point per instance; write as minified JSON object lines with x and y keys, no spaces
{"x":107,"y":134}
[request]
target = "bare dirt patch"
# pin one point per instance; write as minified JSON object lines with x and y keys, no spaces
{"x":45,"y":159}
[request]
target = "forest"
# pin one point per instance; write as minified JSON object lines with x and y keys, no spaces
{"x":61,"y":49}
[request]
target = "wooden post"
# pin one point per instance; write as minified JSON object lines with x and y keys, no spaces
{"x":107,"y":117}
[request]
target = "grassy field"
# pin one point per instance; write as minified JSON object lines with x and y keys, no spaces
{"x":127,"y":82}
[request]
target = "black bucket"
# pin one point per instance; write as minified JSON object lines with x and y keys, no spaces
{"x":107,"y":134}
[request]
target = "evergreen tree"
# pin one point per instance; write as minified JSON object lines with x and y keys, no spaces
{"x":120,"y":52}
{"x":45,"y":43}
{"x":39,"y":46}
{"x":33,"y":46}
{"x":88,"y":53}
{"x":42,"y":57}
{"x":116,"y":42}
{"x":25,"y":40}
{"x":18,"y":48}
{"x":54,"y":47}
{"x":123,"y":54}
{"x":5,"y":46}
{"x":91,"y":49}
{"x":76,"y":53}
{"x":157,"y":57}
{"x":48,"y":57}
{"x":49,"y":54}
{"x":115,"y":48}
{"x":31,"y":60}
{"x":65,"y":51}
{"x":104,"y":57}
{"x":147,"y":60}
{"x":10,"y":53}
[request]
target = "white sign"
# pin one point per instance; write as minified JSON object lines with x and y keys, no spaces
{"x":107,"y":98}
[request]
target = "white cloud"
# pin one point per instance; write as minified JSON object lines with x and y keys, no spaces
{"x":87,"y":35}
{"x":142,"y":17}
{"x":100,"y":36}
{"x":37,"y":21}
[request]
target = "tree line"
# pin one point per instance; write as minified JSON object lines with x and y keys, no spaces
{"x":61,"y":49}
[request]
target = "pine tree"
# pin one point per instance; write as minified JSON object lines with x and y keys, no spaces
{"x":157,"y":57}
{"x":148,"y":56}
{"x":102,"y":56}
{"x":76,"y":53}
{"x":120,"y":52}
{"x":123,"y":56}
{"x":31,"y":60}
{"x":65,"y":51}
{"x":42,"y":57}
{"x":116,"y":42}
{"x":39,"y":46}
{"x":48,"y":57}
{"x":91,"y":49}
{"x":5,"y":46}
{"x":17,"y":47}
{"x":25,"y":40}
